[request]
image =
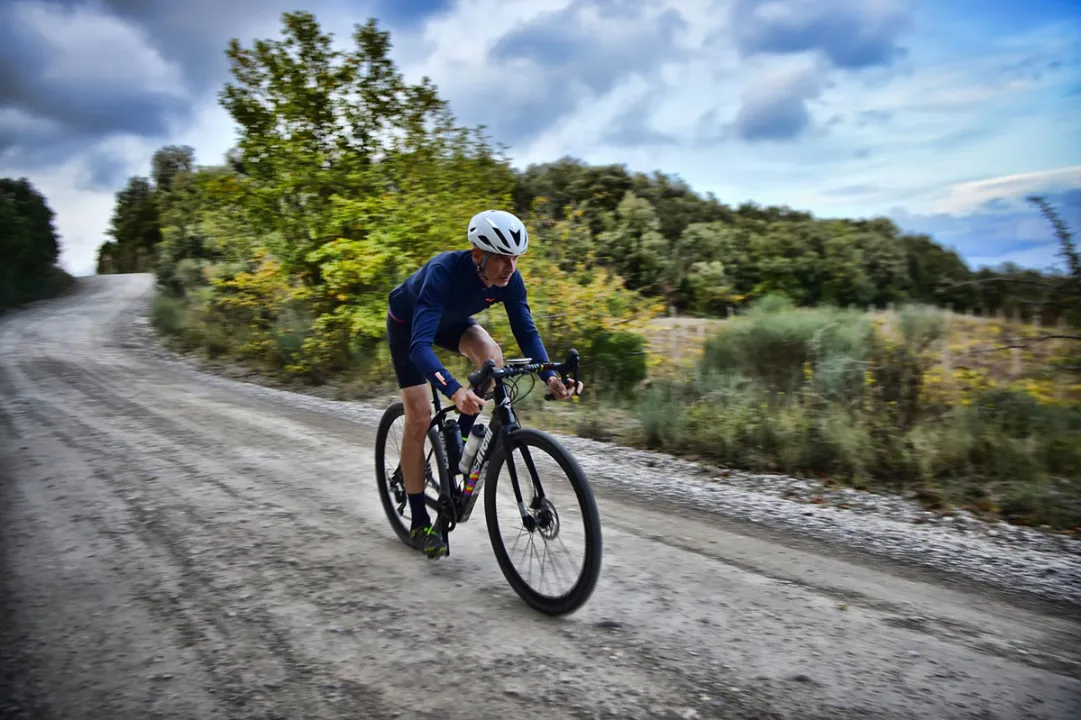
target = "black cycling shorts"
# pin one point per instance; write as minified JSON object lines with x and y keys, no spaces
{"x":398,"y":335}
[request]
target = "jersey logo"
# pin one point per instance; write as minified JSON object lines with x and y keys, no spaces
{"x":439,"y":377}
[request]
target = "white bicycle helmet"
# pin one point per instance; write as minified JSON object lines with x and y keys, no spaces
{"x":499,"y":232}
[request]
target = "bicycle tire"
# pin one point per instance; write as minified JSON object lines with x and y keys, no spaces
{"x":391,"y":414}
{"x":577,"y":596}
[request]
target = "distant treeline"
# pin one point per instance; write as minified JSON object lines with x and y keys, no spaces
{"x":700,"y":254}
{"x":666,"y":241}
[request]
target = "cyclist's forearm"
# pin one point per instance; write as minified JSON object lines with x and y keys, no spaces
{"x":425,"y":323}
{"x":422,"y":355}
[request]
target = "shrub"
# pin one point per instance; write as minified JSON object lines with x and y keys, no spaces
{"x":191,"y":272}
{"x":661,"y":415}
{"x":290,"y":330}
{"x":614,"y":360}
{"x":167,"y":314}
{"x":921,"y":326}
{"x":776,"y":347}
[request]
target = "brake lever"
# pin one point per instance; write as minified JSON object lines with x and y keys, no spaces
{"x":480,"y":375}
{"x":572,"y":370}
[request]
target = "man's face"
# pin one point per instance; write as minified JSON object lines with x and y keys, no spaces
{"x":499,"y":267}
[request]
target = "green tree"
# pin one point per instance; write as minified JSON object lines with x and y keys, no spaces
{"x":28,"y":244}
{"x":350,"y":176}
{"x":634,"y":248}
{"x":135,"y":229}
{"x":170,"y":162}
{"x":934,"y":273}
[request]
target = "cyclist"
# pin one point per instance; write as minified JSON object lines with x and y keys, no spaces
{"x":436,"y":304}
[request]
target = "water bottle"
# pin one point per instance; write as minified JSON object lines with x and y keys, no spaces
{"x":470,"y":450}
{"x":452,"y":440}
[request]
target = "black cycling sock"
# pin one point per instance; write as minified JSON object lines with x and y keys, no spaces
{"x":419,"y":510}
{"x":465,"y":424}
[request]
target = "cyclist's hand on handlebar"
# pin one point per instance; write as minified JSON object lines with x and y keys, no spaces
{"x":467,"y":401}
{"x":561,"y":391}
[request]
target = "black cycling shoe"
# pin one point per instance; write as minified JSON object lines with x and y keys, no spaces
{"x":428,"y":541}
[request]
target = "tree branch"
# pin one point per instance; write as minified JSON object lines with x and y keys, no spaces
{"x":1024,"y":346}
{"x":1047,"y":283}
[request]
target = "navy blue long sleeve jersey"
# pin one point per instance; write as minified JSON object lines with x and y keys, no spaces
{"x":446,"y":291}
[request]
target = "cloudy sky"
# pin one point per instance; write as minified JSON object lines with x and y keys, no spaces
{"x":942,"y":115}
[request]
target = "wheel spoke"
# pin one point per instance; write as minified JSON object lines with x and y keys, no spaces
{"x":548,"y":582}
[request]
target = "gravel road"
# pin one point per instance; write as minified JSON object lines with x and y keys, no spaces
{"x":181,"y":545}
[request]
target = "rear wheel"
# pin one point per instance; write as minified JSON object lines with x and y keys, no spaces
{"x":388,"y":473}
{"x":553,"y":518}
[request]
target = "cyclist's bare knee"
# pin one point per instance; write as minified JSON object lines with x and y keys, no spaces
{"x":418,"y":411}
{"x":477,"y":345}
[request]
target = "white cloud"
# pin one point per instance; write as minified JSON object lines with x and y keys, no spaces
{"x":941,"y":119}
{"x":970,"y":196}
{"x":82,"y":216}
{"x":461,"y":40}
{"x":15,"y":122}
{"x":82,"y":213}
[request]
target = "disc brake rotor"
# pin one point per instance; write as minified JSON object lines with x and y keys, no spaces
{"x":547,"y":519}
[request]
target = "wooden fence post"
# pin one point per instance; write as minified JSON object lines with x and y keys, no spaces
{"x":1015,"y":352}
{"x":947,"y":358}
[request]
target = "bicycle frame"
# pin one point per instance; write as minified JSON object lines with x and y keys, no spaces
{"x":455,"y":503}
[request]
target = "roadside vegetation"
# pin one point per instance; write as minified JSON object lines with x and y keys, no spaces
{"x":917,"y":402}
{"x":840,"y":349}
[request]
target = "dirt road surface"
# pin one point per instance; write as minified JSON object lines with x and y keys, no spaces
{"x":175,"y":547}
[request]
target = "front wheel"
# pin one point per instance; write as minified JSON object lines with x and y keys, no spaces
{"x":541,"y":461}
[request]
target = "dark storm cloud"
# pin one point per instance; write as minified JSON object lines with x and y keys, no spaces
{"x":107,"y":171}
{"x":46,"y":116}
{"x":850,"y":35}
{"x":847,"y":36}
{"x":776,"y":108}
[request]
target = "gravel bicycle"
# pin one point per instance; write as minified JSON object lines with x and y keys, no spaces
{"x":453,"y":497}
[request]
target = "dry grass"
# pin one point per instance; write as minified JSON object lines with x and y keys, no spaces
{"x":974,"y":354}
{"x":979,"y":353}
{"x":675,"y":344}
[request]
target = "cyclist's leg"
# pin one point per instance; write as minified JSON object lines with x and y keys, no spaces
{"x":477,"y":345}
{"x":418,"y":415}
{"x":414,"y":390}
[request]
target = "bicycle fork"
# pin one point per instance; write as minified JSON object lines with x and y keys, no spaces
{"x":529,"y":520}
